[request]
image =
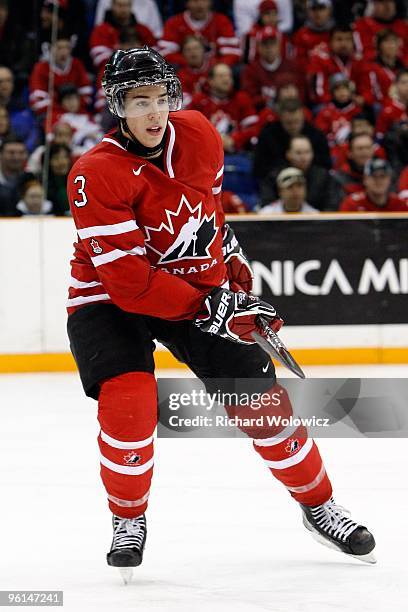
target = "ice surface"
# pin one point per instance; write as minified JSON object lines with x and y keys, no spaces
{"x":223,"y":534}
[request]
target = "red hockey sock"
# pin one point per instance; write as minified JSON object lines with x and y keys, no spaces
{"x":292,"y":457}
{"x":127,"y":414}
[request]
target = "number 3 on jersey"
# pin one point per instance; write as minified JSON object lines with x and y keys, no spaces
{"x":81,"y":191}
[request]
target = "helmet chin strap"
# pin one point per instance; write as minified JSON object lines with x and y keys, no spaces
{"x":136,"y":147}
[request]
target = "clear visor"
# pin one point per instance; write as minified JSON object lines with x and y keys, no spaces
{"x":146,"y":100}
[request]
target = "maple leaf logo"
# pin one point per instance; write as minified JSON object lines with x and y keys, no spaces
{"x":132,"y":458}
{"x":191,"y":240}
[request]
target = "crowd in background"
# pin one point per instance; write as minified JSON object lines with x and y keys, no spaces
{"x":310,"y":97}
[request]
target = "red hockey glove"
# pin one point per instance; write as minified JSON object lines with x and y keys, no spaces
{"x":238,"y":268}
{"x":234,"y":315}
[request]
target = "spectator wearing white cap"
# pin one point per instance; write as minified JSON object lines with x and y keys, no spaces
{"x":291,"y":185}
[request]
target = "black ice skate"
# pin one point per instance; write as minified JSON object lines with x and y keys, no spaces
{"x":332,"y":526}
{"x":129,"y":537}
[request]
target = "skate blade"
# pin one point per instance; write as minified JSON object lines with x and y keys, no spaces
{"x":368,"y":558}
{"x":127,"y":574}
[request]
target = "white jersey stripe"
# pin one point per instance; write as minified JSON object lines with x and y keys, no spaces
{"x":81,"y":299}
{"x":108,"y":230}
{"x":130,"y":470}
{"x":280,"y":437}
{"x":125,"y":445}
{"x":105,"y":258}
{"x":170,"y":150}
{"x":219,"y":173}
{"x":113,"y":142}
{"x":76,"y":284}
{"x":294,"y":460}
{"x":311,"y":485}
{"x":127,"y":503}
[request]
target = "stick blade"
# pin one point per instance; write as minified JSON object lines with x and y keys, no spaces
{"x":275,"y":348}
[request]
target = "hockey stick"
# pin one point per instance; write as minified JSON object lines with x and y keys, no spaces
{"x":275,"y":348}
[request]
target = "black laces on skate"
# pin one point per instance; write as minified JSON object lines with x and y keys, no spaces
{"x":334,"y":520}
{"x":128,"y":533}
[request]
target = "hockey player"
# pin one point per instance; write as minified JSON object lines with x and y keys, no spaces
{"x":154,"y":180}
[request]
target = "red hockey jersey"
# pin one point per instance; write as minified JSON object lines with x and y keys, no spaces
{"x":306,"y":41}
{"x":235,"y":115}
{"x":403,"y":184}
{"x":262,"y":81}
{"x":217,"y":33}
{"x":366,"y":30}
{"x":376,"y":80}
{"x":149,"y":241}
{"x":360,"y":202}
{"x":74,"y":73}
{"x":393,"y":112}
{"x":335,"y":122}
{"x":105,"y":39}
{"x":193,"y":80}
{"x":322,"y":66}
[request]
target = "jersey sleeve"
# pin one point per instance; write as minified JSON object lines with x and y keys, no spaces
{"x":109,"y":233}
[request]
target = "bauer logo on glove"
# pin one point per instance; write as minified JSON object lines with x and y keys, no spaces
{"x":233,"y":316}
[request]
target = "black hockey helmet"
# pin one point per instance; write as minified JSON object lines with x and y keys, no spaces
{"x":136,"y":68}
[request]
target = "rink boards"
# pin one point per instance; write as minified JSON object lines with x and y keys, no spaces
{"x":340,"y":282}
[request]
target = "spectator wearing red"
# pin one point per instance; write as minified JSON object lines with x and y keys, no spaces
{"x":230,"y":111}
{"x":380,"y":75}
{"x":376,"y":196}
{"x":128,"y":39}
{"x":338,"y":57}
{"x":349,"y":176}
{"x":232,"y":203}
{"x":334,"y":119}
{"x":395,"y":111}
{"x":215,"y":30}
{"x":105,"y":38}
{"x":315,"y":32}
{"x":193,"y":75}
{"x":359,"y":125}
{"x":383,"y":17}
{"x":262,"y":78}
{"x":403,"y":184}
{"x":268,"y":17}
{"x":287,"y":91}
{"x":66,"y":69}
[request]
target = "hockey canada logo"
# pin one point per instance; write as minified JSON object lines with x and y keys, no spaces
{"x":292,"y":446}
{"x":192,"y":240}
{"x":97,"y":249}
{"x":132,"y":458}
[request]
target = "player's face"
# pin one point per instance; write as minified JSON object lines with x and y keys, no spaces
{"x":147,"y":112}
{"x":378,"y":184}
{"x":384,"y":9}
